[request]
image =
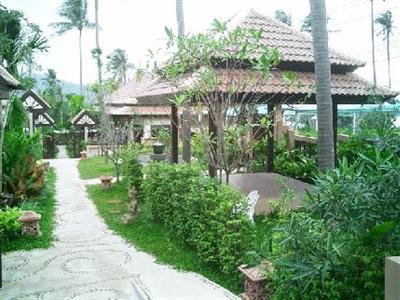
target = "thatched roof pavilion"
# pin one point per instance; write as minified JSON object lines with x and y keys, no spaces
{"x":296,"y":52}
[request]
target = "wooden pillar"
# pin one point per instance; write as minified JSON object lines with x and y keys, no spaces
{"x":270,"y":140}
{"x":31,"y":124}
{"x":212,"y":129}
{"x":86,"y":134}
{"x":174,"y":133}
{"x":187,"y":135}
{"x":278,"y":122}
{"x":335,"y":123}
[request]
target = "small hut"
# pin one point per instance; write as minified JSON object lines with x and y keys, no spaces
{"x":36,"y":106}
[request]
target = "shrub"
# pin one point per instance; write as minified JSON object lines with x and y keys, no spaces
{"x":336,"y":248}
{"x":200,"y":212}
{"x":9,"y":226}
{"x":23,"y":176}
{"x":131,"y":169}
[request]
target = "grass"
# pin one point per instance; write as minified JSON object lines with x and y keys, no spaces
{"x":152,"y":237}
{"x":44,"y":205}
{"x":95,"y":167}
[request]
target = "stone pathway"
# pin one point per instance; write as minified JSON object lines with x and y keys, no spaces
{"x":87,"y":261}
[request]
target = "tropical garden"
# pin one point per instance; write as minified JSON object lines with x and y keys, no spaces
{"x":187,"y":214}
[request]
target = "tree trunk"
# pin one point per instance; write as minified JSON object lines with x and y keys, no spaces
{"x":80,"y":62}
{"x":388,"y":59}
{"x":373,"y":42}
{"x":186,"y":132}
{"x":326,"y":157}
{"x":1,"y":146}
{"x":99,"y":71}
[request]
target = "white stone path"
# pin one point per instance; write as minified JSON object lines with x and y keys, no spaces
{"x":87,"y":261}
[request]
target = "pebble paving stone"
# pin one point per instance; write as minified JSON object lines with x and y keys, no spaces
{"x":88,"y":261}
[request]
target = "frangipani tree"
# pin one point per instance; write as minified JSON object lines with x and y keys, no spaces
{"x":219,"y":72}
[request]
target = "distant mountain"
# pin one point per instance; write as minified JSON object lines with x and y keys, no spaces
{"x":67,"y":87}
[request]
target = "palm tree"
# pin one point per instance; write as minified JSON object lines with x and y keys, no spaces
{"x":99,"y":65}
{"x":326,"y":156}
{"x":373,"y":42}
{"x":118,"y":65}
{"x":386,"y":22}
{"x":75,"y":14}
{"x":306,"y":26}
{"x":283,"y":17}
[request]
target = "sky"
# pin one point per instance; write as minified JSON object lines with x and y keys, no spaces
{"x":137,"y":26}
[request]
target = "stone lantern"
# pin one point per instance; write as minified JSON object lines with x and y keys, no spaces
{"x":106,"y":182}
{"x":30,"y":223}
{"x":83,"y":154}
{"x":255,"y":281}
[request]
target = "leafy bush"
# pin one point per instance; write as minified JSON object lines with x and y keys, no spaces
{"x":336,"y":248}
{"x":131,"y":169}
{"x":9,"y":226}
{"x":200,"y":212}
{"x":298,"y":164}
{"x":199,"y":149}
{"x":23,"y":177}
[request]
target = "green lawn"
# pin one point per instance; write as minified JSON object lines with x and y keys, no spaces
{"x":44,"y":205}
{"x":95,"y":167}
{"x":152,"y":237}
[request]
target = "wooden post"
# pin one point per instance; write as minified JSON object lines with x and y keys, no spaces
{"x":278,"y":122}
{"x":187,"y":136}
{"x":270,"y":140}
{"x":86,"y":134}
{"x":31,"y":125}
{"x":291,"y":140}
{"x":335,"y":122}
{"x":212,"y":129}
{"x":174,"y":133}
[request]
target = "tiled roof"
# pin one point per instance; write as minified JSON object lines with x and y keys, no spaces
{"x":140,"y":110}
{"x":7,"y":79}
{"x":304,"y":83}
{"x":293,"y":45}
{"x":126,"y":94}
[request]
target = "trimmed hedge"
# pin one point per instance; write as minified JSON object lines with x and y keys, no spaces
{"x":199,"y":211}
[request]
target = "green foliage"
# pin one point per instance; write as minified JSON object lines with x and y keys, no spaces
{"x":9,"y":226}
{"x":336,"y":248}
{"x":44,"y":204}
{"x":200,"y":212}
{"x":118,"y":65}
{"x":295,"y":163}
{"x":20,"y":40}
{"x":163,"y":136}
{"x":131,"y":169}
{"x":23,"y":176}
{"x":199,"y":150}
{"x":75,"y":103}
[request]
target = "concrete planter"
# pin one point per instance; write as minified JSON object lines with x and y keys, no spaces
{"x":158,"y":148}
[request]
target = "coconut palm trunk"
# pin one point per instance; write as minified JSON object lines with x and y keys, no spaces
{"x":99,"y":69}
{"x":80,"y":63}
{"x":326,"y":156}
{"x":373,"y":42}
{"x":186,"y":112}
{"x":388,"y":60}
